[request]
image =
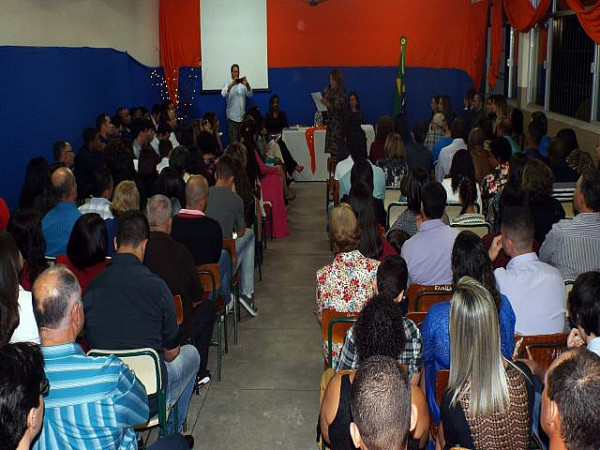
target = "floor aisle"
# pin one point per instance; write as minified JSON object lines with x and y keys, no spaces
{"x":268,"y":396}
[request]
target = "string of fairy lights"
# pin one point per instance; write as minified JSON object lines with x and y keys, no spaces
{"x":189,"y":89}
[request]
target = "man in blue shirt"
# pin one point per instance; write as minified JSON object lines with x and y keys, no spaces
{"x":236,"y":92}
{"x":58,"y":222}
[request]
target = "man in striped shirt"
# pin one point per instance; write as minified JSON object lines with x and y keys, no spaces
{"x":93,"y":402}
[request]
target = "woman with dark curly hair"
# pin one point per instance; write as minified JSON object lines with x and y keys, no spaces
{"x":545,"y":209}
{"x":25,"y":226}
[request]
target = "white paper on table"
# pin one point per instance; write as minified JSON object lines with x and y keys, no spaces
{"x":317,"y":97}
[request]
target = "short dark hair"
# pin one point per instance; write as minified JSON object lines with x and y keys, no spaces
{"x":58,"y":148}
{"x":51,"y":306}
{"x":459,"y":129}
{"x":88,"y":244}
{"x":433,"y":196}
{"x":470,"y":94}
{"x":540,"y":118}
{"x":535,"y":132}
{"x":517,"y":224}
{"x":573,"y":383}
{"x":501,"y":149}
{"x":584,"y":303}
{"x":225,"y":167}
{"x":590,"y":188}
{"x":570,"y":138}
{"x":392,"y":276}
{"x":141,"y":125}
{"x":164,"y":147}
{"x":397,"y":238}
{"x":537,"y":180}
{"x":21,"y":379}
{"x":357,"y":145}
{"x":417,"y":178}
{"x":381,"y":403}
{"x":100,"y":118}
{"x":163,"y":128}
{"x":133,"y":228}
{"x":103,"y":180}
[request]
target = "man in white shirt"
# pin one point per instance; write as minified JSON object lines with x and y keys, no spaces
{"x":236,"y":92}
{"x":535,"y":289}
{"x":100,"y":202}
{"x":458,"y":133}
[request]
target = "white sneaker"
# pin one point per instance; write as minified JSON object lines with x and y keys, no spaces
{"x":248,"y":304}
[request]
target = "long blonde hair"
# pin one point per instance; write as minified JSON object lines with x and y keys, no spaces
{"x":125,"y":198}
{"x":476,"y":364}
{"x":394,"y":147}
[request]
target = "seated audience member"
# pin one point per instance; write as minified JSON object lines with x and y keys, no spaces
{"x":362,"y":172}
{"x":427,"y":253}
{"x":142,"y":134}
{"x":467,"y":194}
{"x":482,"y":160}
{"x":25,"y":226}
{"x":100,"y":202}
{"x":578,"y":160}
{"x":379,"y":320}
{"x":416,"y":153}
{"x":126,"y":197}
{"x":227,"y":207}
{"x":557,"y":157}
{"x":573,"y":246}
{"x":384,"y":128}
{"x":469,"y":258}
{"x":36,"y":174}
{"x":359,"y":139}
{"x":88,"y":159}
{"x":445,"y":107}
{"x":104,"y":128}
{"x":493,"y":182}
{"x":407,"y":221}
{"x":397,"y":238}
{"x":571,"y":401}
{"x":165,"y":149}
{"x":346,"y":284}
{"x":171,"y":185}
{"x":516,"y":124}
{"x":63,"y":153}
{"x":127,"y":289}
{"x":504,"y":130}
{"x":87,"y":249}
{"x":459,"y":134}
{"x":462,"y":168}
{"x":353,"y":113}
{"x":201,"y":234}
{"x":162,"y":134}
{"x":535,"y":134}
{"x":58,"y":222}
{"x":242,"y":185}
{"x":382,"y":413}
{"x":438,"y":130}
{"x":540,"y":118}
{"x":497,"y":109}
{"x":535,"y":289}
{"x":444,"y":142}
{"x":17,"y":323}
{"x":23,"y":387}
{"x":489,"y":399}
{"x":174,"y":263}
{"x":537,"y":187}
{"x":584,"y":311}
{"x":394,"y":163}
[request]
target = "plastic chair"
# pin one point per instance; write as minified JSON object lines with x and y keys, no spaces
{"x":418,"y":317}
{"x":567,"y":204}
{"x":542,"y":348}
{"x":420,"y":297}
{"x":229,"y":246}
{"x":178,"y":308}
{"x":480,"y":229}
{"x":145,"y":363}
{"x":210,"y":282}
{"x":329,"y":320}
{"x":394,"y":210}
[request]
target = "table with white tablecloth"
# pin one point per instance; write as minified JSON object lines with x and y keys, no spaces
{"x":295,"y":139}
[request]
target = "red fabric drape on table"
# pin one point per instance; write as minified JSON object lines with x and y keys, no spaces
{"x":589,"y":19}
{"x":495,"y":43}
{"x":179,"y":27}
{"x":522,"y":16}
{"x":310,"y":142}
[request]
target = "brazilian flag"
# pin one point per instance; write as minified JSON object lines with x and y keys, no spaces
{"x":400,"y":86}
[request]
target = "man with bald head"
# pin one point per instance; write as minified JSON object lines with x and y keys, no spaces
{"x":58,"y":222}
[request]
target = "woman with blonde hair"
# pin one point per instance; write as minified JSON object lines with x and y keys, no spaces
{"x":488,"y":401}
{"x":126,"y":197}
{"x":346,"y":284}
{"x":394,"y":163}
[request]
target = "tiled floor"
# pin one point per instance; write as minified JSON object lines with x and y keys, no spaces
{"x":268,"y":397}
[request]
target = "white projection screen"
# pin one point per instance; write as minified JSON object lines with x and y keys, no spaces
{"x":233,"y":31}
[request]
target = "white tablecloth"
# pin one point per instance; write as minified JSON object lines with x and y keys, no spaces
{"x":295,"y":139}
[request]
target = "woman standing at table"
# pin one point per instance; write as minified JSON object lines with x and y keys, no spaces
{"x":275,"y":122}
{"x":334,"y":98}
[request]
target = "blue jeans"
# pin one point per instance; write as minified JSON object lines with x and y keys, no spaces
{"x":182,"y":375}
{"x":225,"y":271}
{"x":245,"y":253}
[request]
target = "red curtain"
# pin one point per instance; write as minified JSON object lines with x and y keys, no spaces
{"x":179,"y":28}
{"x":589,"y":19}
{"x":522,"y":16}
{"x":495,"y":43}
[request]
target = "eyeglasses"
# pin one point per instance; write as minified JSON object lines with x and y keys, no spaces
{"x":44,"y":387}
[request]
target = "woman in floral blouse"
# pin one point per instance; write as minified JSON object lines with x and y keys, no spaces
{"x":347,"y":283}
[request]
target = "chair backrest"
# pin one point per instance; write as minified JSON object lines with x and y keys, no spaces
{"x":480,"y":229}
{"x":567,"y":204}
{"x":441,"y":383}
{"x":542,"y":348}
{"x":143,"y":361}
{"x":210,"y":277}
{"x":334,"y":325}
{"x":178,"y":308}
{"x":453,"y":209}
{"x":418,"y":317}
{"x":394,"y":210}
{"x":334,"y":187}
{"x":229,"y":246}
{"x":568,"y":289}
{"x":420,"y":298}
{"x":392,"y":195}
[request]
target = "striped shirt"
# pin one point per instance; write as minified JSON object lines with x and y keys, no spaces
{"x":573,"y":246}
{"x":93,"y":402}
{"x":98,"y":205}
